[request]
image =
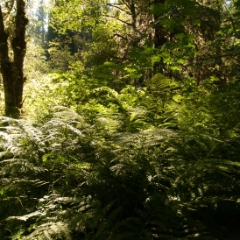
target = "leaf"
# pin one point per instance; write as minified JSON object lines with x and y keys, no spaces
{"x":155,"y":59}
{"x":158,"y":8}
{"x":197,"y":22}
{"x":175,"y":68}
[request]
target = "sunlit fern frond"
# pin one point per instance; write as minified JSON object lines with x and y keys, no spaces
{"x":147,"y":138}
{"x":159,"y":83}
{"x":50,"y":231}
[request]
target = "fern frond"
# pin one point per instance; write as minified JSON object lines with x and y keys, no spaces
{"x":50,"y":231}
{"x":158,"y":83}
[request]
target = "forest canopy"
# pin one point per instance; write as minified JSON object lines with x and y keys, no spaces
{"x":120,"y":119}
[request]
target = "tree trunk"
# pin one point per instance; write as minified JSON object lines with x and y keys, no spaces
{"x":12,"y":69}
{"x":159,"y":38}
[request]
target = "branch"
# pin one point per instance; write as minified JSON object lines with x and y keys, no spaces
{"x":129,"y":24}
{"x":121,"y":9}
{"x":127,"y":4}
{"x":119,"y":35}
{"x":119,"y":59}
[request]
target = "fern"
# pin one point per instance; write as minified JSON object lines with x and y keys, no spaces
{"x":110,"y":173}
{"x":50,"y":231}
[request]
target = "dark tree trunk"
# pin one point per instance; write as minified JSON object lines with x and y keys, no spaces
{"x":12,"y":69}
{"x":159,"y":38}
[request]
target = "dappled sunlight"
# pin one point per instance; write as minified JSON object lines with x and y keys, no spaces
{"x":128,"y":123}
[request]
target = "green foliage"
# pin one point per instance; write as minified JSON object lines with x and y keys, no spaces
{"x":142,"y":163}
{"x":128,"y":140}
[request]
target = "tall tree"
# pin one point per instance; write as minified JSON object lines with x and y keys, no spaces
{"x":12,"y":66}
{"x":41,"y":21}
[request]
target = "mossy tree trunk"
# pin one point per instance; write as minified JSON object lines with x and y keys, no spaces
{"x":12,"y":67}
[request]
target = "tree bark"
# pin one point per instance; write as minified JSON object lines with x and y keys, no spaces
{"x":159,"y":38}
{"x":12,"y":69}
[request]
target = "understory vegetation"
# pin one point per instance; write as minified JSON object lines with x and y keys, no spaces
{"x":137,"y":137}
{"x":123,"y":166}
